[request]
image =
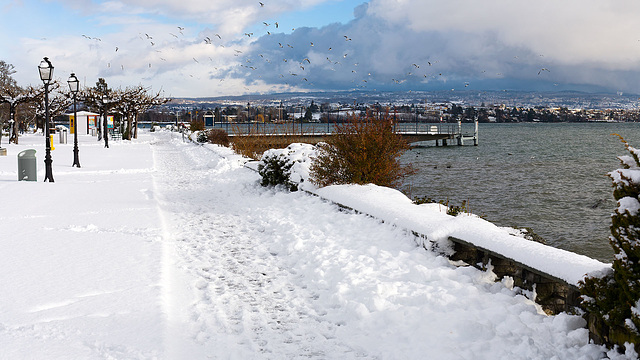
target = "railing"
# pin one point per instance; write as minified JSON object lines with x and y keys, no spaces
{"x":425,"y":128}
{"x":296,"y":128}
{"x":271,"y":129}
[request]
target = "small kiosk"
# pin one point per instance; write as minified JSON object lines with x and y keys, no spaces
{"x":86,"y":122}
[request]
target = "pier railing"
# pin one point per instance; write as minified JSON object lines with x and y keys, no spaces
{"x":296,"y":128}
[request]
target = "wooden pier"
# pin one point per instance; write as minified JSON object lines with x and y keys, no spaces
{"x":443,"y":134}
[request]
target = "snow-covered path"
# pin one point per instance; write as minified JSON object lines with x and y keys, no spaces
{"x":159,"y":249}
{"x":254,"y":273}
{"x":248,"y":296}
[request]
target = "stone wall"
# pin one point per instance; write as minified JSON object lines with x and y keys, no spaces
{"x":553,"y":294}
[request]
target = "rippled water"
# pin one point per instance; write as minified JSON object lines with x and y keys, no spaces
{"x":549,"y":177}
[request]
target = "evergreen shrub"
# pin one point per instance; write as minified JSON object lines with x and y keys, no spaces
{"x":612,"y":299}
{"x":201,"y":137}
{"x":276,"y":170}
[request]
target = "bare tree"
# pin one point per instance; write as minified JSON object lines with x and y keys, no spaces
{"x":15,"y":96}
{"x":59,"y":102}
{"x":132,"y":102}
{"x":96,"y":98}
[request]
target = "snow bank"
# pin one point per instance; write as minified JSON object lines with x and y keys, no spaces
{"x":431,"y":220}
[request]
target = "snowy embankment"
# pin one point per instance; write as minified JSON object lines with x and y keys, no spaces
{"x":432,"y":221}
{"x":162,"y":249}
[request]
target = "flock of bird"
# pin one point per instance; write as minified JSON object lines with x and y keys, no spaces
{"x":296,"y":67}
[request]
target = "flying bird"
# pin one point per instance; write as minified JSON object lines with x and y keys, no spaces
{"x":248,"y":34}
{"x":276,"y":23}
{"x":346,"y":38}
{"x":207,"y":40}
{"x":218,"y":35}
{"x":543,"y":69}
{"x":261,"y":4}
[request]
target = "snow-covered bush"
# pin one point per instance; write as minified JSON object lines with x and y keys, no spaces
{"x":288,"y":167}
{"x":202,"y":136}
{"x":612,"y":300}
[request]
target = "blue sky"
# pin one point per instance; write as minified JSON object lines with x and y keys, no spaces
{"x":230,"y":47}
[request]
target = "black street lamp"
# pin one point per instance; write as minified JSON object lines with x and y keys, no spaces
{"x":46,"y":74}
{"x":74,"y":86}
{"x":105,"y":125}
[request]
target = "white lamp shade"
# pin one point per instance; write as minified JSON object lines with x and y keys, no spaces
{"x":74,"y":83}
{"x":46,"y":70}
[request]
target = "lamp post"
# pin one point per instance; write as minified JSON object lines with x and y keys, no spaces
{"x":105,"y":123}
{"x":74,"y":86}
{"x":248,"y":118}
{"x":46,"y":74}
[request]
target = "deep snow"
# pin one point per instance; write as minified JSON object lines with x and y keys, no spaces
{"x":158,"y":248}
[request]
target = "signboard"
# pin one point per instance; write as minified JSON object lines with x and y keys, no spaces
{"x":110,"y":122}
{"x":72,"y":124}
{"x":91,"y":119}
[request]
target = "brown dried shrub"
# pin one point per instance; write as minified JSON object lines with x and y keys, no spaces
{"x":361,"y":151}
{"x":196,"y":125}
{"x":218,"y":136}
{"x":252,"y":143}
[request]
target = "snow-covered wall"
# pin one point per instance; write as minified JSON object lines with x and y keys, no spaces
{"x":552,"y":273}
{"x":466,"y":237}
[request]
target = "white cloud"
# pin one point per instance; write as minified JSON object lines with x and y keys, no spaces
{"x":198,"y":47}
{"x":567,"y":31}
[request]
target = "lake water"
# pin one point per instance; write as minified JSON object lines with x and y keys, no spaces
{"x":549,"y":177}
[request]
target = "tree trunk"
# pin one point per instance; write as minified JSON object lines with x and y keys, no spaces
{"x":129,"y":120}
{"x":135,"y":128}
{"x":13,"y":134}
{"x":14,"y":131}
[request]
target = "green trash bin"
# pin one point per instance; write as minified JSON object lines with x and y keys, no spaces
{"x":27,"y":165}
